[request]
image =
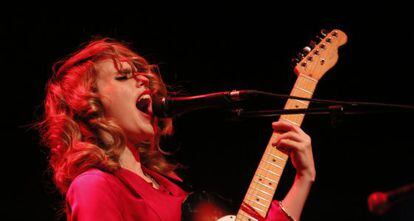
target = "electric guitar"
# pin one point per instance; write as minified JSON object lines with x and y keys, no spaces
{"x":310,"y":67}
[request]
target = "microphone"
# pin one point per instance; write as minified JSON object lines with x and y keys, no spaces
{"x":380,"y":202}
{"x":171,"y":106}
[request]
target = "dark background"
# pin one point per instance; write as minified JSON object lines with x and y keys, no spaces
{"x":207,"y":49}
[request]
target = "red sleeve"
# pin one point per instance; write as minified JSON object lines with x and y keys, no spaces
{"x":276,"y":213}
{"x":90,"y":197}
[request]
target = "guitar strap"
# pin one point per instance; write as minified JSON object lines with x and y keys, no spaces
{"x":183,"y":184}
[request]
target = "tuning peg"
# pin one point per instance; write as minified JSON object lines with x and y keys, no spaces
{"x":300,"y":56}
{"x":312,"y":44}
{"x":324,"y":32}
{"x":307,"y":49}
{"x":320,"y":37}
{"x":295,"y":61}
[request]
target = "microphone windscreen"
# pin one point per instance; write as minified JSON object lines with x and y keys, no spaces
{"x":378,"y":203}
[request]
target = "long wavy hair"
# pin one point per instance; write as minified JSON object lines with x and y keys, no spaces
{"x":74,"y":126}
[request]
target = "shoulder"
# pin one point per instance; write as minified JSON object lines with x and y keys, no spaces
{"x":92,"y":178}
{"x":92,"y":183}
{"x":93,"y":195}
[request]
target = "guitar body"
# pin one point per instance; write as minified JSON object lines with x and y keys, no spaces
{"x":256,"y":203}
{"x":206,"y":206}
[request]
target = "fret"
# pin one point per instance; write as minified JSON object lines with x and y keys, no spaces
{"x":294,"y":104}
{"x":276,"y":153}
{"x":290,"y":121}
{"x":242,"y":215}
{"x":261,"y":188}
{"x":258,"y":194}
{"x":305,"y":84}
{"x":268,"y":166}
{"x":304,"y":103}
{"x":308,"y":78}
{"x":269,"y":171}
{"x":304,"y":90}
{"x":273,"y":164}
{"x":267,"y":178}
{"x":261,"y":198}
{"x":258,"y":185}
{"x":246,"y":216}
{"x":262,"y":191}
{"x":276,"y":156}
{"x":299,"y":91}
{"x":295,"y":119}
{"x":262,"y":184}
{"x":257,"y":209}
{"x":262,"y":172}
{"x":267,"y":181}
{"x":256,"y":202}
{"x":255,"y":205}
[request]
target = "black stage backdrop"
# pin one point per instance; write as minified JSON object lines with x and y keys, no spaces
{"x":204,"y":49}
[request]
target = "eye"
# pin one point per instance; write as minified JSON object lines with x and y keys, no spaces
{"x":121,"y":77}
{"x":124,"y":75}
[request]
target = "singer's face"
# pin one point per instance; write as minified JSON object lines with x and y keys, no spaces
{"x":121,"y":92}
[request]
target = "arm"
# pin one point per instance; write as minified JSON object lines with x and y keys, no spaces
{"x":297,"y":144}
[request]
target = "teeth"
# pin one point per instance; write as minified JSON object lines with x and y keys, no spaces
{"x":145,"y":96}
{"x":143,"y":103}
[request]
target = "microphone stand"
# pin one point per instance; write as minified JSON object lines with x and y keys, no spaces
{"x":334,"y":106}
{"x":273,"y":113}
{"x":173,"y":106}
{"x":336,"y":109}
{"x":336,"y":113}
{"x":329,"y":110}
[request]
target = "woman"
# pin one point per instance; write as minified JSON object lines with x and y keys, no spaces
{"x":104,"y":140}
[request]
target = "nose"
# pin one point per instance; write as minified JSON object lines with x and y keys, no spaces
{"x":142,"y":81}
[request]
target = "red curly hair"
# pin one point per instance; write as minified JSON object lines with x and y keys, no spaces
{"x":74,"y":126}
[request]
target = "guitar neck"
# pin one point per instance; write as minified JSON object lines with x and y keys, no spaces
{"x":262,"y":188}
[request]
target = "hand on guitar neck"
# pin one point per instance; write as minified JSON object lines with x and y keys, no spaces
{"x":293,"y":141}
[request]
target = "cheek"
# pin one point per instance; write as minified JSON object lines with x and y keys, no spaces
{"x":115,"y":101}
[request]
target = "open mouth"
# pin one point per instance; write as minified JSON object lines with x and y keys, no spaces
{"x":143,"y":103}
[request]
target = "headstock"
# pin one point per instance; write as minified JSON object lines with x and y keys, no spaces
{"x":322,"y":56}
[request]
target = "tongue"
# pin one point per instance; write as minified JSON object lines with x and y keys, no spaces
{"x":143,"y":104}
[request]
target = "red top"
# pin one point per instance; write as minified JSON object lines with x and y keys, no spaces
{"x":97,"y":195}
